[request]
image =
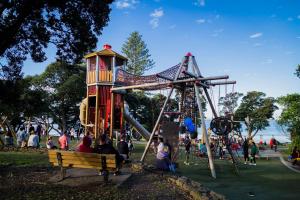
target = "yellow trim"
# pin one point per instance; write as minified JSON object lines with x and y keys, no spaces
{"x":105,"y":52}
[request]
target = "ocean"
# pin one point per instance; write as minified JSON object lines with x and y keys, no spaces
{"x":274,"y":129}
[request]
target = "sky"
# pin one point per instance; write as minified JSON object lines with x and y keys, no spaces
{"x":256,"y":43}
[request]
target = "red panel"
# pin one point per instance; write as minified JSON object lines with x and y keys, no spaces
{"x":92,"y":90}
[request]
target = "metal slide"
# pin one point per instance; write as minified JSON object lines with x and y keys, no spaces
{"x":146,"y":134}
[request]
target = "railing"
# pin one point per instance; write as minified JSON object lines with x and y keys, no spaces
{"x":103,"y":76}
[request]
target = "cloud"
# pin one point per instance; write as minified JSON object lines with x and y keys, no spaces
{"x":256,"y":35}
{"x":290,"y":19}
{"x":124,"y":4}
{"x":155,"y":16}
{"x":217,"y":32}
{"x":298,"y":37}
{"x":199,"y":3}
{"x":217,"y":16}
{"x":200,"y":21}
{"x":267,"y":61}
{"x":298,"y":16}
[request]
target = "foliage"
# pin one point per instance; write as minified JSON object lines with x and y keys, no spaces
{"x":28,"y":26}
{"x":138,"y":55}
{"x":255,"y":109}
{"x":146,"y":108}
{"x":297,"y":73}
{"x":19,"y":100}
{"x":290,"y":115}
{"x":65,"y":87}
{"x":229,"y":102}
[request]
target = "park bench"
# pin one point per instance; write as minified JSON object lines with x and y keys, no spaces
{"x":70,"y":159}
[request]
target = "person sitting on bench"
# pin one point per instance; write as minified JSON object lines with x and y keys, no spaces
{"x":102,"y":147}
{"x":85,"y":145}
{"x":295,"y":154}
{"x":123,"y":147}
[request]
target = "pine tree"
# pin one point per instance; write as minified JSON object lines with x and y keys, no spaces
{"x":138,"y":55}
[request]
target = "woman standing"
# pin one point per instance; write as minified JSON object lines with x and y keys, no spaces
{"x":253,"y":153}
{"x":246,"y":151}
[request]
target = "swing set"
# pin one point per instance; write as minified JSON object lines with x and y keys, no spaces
{"x":192,"y":87}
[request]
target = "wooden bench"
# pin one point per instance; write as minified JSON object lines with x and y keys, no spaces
{"x":70,"y":159}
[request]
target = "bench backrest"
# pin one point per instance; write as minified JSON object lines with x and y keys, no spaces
{"x":82,"y":160}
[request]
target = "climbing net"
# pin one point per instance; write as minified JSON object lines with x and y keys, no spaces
{"x":125,"y":78}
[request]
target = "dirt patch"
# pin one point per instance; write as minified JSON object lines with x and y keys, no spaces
{"x":32,"y":183}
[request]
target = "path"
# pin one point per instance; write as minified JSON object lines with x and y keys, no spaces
{"x":272,"y":154}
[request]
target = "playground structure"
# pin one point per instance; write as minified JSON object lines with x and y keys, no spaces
{"x":107,"y":82}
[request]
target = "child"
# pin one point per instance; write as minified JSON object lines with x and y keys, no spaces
{"x":50,"y":144}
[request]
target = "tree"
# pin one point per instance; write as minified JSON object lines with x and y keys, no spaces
{"x":297,"y":73}
{"x":65,"y":87}
{"x":20,"y":101}
{"x":255,"y":109}
{"x":138,"y":55}
{"x":290,"y":115}
{"x":229,"y":102}
{"x":28,"y":26}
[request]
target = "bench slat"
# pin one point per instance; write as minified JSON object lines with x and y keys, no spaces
{"x":68,"y":158}
{"x":110,"y":167}
{"x":83,"y":162}
{"x":80,"y":154}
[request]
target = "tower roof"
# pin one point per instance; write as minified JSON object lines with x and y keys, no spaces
{"x":105,"y":52}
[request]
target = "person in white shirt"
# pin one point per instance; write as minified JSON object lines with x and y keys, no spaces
{"x":33,"y":140}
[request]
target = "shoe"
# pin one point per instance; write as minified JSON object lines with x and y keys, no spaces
{"x":250,"y":164}
{"x":245,"y":163}
{"x":100,"y":173}
{"x":254,"y":164}
{"x":117,"y":173}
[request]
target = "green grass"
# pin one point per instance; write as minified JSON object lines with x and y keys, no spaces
{"x":269,"y":180}
{"x":22,"y":159}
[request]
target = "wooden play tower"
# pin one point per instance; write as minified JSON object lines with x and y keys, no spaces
{"x":103,"y":109}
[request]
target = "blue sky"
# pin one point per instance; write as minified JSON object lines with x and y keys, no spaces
{"x":255,"y":42}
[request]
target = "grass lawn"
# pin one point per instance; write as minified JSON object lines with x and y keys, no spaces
{"x":23,"y":159}
{"x":270,"y":179}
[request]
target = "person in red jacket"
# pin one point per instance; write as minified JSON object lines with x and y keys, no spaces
{"x":85,"y":145}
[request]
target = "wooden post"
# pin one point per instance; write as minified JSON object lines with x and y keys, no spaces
{"x":209,"y":154}
{"x":204,"y":130}
{"x":60,"y":164}
{"x":162,"y":110}
{"x":111,"y":115}
{"x":96,"y":129}
{"x":87,"y":96}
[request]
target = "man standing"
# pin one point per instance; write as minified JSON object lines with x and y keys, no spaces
{"x":187,"y":144}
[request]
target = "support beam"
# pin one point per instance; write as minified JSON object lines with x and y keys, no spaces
{"x":169,"y":82}
{"x":204,"y":130}
{"x":222,"y":83}
{"x":209,"y":154}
